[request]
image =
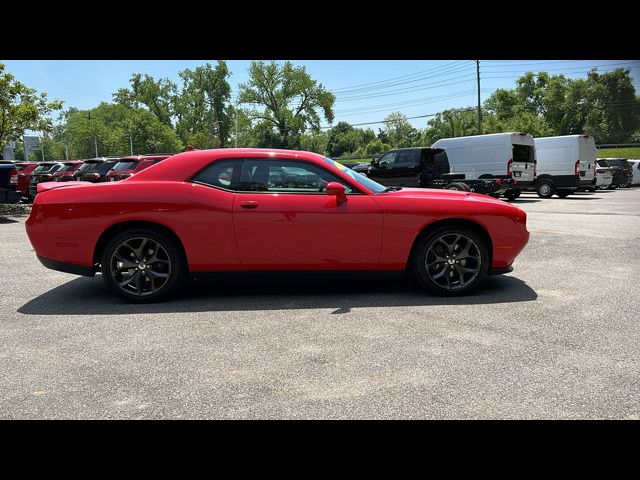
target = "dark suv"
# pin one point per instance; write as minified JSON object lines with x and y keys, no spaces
{"x":620,"y":170}
{"x":43,"y":173}
{"x":95,"y":170}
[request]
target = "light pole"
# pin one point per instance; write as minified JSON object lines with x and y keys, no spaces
{"x":130,"y":142}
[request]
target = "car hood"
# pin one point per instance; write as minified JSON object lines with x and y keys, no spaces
{"x":438,"y":193}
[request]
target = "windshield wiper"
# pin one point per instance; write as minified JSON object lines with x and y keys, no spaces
{"x":391,"y":189}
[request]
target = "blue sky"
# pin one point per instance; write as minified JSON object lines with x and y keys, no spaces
{"x":366,"y":90}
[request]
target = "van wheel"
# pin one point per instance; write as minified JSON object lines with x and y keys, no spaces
{"x":459,"y":186}
{"x":450,"y":261}
{"x":143,"y":265}
{"x":545,"y":189}
{"x":563,"y":193}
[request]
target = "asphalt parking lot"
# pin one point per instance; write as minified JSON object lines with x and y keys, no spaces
{"x":557,"y":338}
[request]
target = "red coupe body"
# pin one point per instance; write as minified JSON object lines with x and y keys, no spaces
{"x":221,"y":226}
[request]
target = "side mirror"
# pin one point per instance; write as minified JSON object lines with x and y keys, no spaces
{"x":337,"y":189}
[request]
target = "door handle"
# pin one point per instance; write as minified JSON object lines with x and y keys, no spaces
{"x":249,"y":204}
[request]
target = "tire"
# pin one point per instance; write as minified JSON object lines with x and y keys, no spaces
{"x":447,"y":240}
{"x":512,"y":194}
{"x":563,"y":193}
{"x":545,"y":189}
{"x":463,"y":187}
{"x":159,"y":280}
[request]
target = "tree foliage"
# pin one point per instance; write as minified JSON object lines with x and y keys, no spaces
{"x":203,"y":108}
{"x":22,"y":108}
{"x":286,"y":101}
{"x":111,"y":125}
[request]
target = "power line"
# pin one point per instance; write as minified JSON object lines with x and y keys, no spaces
{"x":393,"y":79}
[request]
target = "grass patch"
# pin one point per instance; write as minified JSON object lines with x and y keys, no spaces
{"x":14,"y":209}
{"x":633,"y":152}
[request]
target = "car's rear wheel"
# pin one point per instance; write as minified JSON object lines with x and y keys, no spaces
{"x":450,"y":260}
{"x":143,"y":265}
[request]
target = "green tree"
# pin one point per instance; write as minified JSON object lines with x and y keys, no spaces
{"x":455,"y":122}
{"x":614,"y":114}
{"x":374,"y":147}
{"x":288,"y":102}
{"x":158,"y":96}
{"x":399,"y":131}
{"x":112,"y":126}
{"x":22,"y":108}
{"x":202,"y":107}
{"x":315,"y":142}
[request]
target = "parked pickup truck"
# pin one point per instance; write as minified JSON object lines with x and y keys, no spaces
{"x":8,"y":183}
{"x":426,"y":167}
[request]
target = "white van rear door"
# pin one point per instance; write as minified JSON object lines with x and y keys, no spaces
{"x":523,"y":162}
{"x":587,"y":156}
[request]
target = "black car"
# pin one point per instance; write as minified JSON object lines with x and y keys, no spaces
{"x":620,"y":170}
{"x":43,"y":173}
{"x":8,"y":182}
{"x":95,"y":169}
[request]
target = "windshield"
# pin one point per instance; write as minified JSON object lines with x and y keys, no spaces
{"x":68,"y":168}
{"x":104,"y":167}
{"x":43,"y":167}
{"x":618,"y":162}
{"x":87,"y":166}
{"x":126,"y":165}
{"x":603,"y":163}
{"x":359,"y":178}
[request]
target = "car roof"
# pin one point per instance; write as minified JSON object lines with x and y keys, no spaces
{"x":186,"y":164}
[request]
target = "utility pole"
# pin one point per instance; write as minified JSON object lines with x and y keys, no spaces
{"x":130,"y":142}
{"x":479,"y":110}
{"x":66,"y":152}
{"x":95,"y":142}
{"x":42,"y":147}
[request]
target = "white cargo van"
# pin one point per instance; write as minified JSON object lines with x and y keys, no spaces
{"x":498,"y":154}
{"x":565,"y":164}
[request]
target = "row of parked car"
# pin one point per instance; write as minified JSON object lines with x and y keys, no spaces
{"x":21,"y":179}
{"x":504,"y":164}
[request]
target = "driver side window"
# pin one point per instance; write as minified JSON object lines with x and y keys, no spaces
{"x":388,"y":158}
{"x":285,"y":176}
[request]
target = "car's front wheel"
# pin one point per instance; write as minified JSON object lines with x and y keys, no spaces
{"x":143,"y":265}
{"x":451,"y":260}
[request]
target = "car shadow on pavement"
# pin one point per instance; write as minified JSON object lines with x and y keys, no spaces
{"x":88,"y":296}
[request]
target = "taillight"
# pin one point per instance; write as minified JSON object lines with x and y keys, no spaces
{"x":577,"y":170}
{"x":14,"y":176}
{"x":498,"y":182}
{"x":509,"y":172}
{"x":600,"y":170}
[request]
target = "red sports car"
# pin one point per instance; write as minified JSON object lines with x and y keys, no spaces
{"x":257,"y":209}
